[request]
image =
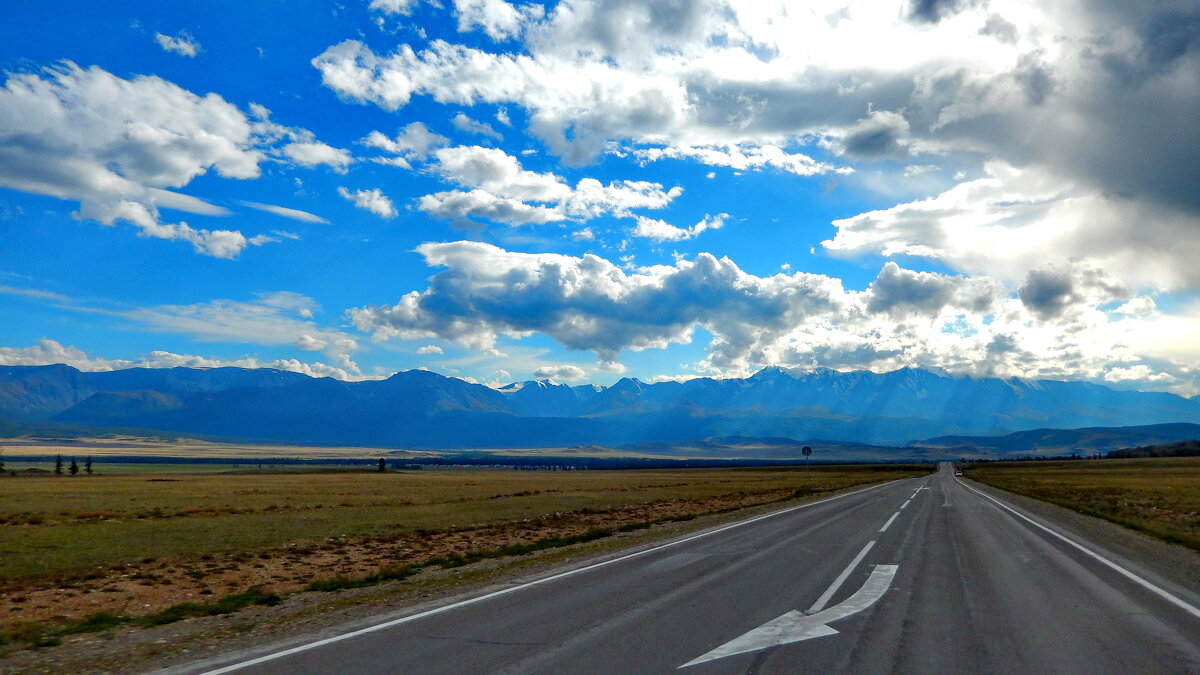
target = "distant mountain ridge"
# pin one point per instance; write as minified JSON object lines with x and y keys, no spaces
{"x":1083,"y":442}
{"x":422,"y":409}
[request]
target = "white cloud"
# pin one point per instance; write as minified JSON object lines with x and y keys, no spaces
{"x":429,"y":349}
{"x":314,"y":153}
{"x":613,"y":100}
{"x":1090,"y":106}
{"x":967,"y":325}
{"x":414,"y":141}
{"x":399,"y":162}
{"x":500,"y":190}
{"x":659,"y":231}
{"x":563,"y":372}
{"x":402,"y":7}
{"x":1014,"y":220}
{"x":470,"y":126}
{"x":588,"y":303}
{"x":310,"y":344}
{"x":499,"y":19}
{"x":120,"y":147}
{"x":181,"y":43}
{"x":496,"y":171}
{"x":371,"y":200}
{"x":47,"y":352}
{"x":454,"y":205}
{"x":744,"y":157}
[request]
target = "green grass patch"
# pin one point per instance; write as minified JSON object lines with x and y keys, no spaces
{"x":226,"y":605}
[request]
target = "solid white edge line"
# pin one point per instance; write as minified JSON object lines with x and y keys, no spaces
{"x":837,"y":583}
{"x":1161,"y":592}
{"x":889,"y":522}
{"x":537,"y":582}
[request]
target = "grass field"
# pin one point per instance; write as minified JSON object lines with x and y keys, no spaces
{"x":1158,"y":496}
{"x":50,"y":525}
{"x":141,"y":544}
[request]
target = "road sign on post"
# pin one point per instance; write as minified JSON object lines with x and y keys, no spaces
{"x":807,"y":451}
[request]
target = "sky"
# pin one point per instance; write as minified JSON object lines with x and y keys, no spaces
{"x":593,"y":189}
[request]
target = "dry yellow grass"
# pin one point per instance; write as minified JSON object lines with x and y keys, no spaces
{"x":54,"y":525}
{"x":1157,"y":496}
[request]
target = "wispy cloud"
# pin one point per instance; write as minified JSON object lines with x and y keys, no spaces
{"x":294,"y":214}
{"x":182,"y":43}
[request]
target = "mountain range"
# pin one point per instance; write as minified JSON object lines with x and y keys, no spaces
{"x":422,"y":409}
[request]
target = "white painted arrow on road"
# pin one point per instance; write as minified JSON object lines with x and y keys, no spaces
{"x":796,"y":626}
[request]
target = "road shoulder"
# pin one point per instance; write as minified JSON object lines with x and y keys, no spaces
{"x":1175,"y":568}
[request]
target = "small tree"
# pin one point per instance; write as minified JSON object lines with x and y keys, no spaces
{"x":382,"y":464}
{"x":87,"y":466}
{"x":58,"y":465}
{"x":74,"y":467}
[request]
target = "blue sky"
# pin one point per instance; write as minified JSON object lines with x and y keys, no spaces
{"x":594,"y":189}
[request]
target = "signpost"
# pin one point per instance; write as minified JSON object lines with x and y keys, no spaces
{"x":807,"y":451}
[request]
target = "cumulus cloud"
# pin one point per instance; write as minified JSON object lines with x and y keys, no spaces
{"x":48,"y":352}
{"x":660,"y":231}
{"x":314,"y":153}
{"x":181,"y":43}
{"x":1090,"y":105}
{"x":454,"y":205}
{"x":496,"y":171}
{"x":310,"y":344}
{"x":966,"y":325}
{"x":590,"y":304}
{"x":1051,"y":292}
{"x":1014,"y":220}
{"x":880,"y":134}
{"x":902,"y":292}
{"x":501,"y":20}
{"x":120,"y":147}
{"x":371,"y":200}
{"x":429,"y":349}
{"x":611,"y":100}
{"x":564,"y":372}
{"x":500,"y":190}
{"x":414,"y":141}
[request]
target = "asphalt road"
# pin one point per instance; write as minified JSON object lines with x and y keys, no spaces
{"x":954,"y":582}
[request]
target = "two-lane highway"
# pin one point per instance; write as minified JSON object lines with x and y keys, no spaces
{"x":920,"y":575}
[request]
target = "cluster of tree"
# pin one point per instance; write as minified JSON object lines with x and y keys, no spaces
{"x":74,"y":468}
{"x":1184,"y":449}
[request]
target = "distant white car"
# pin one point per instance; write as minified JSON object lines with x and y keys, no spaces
{"x":957,"y":473}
